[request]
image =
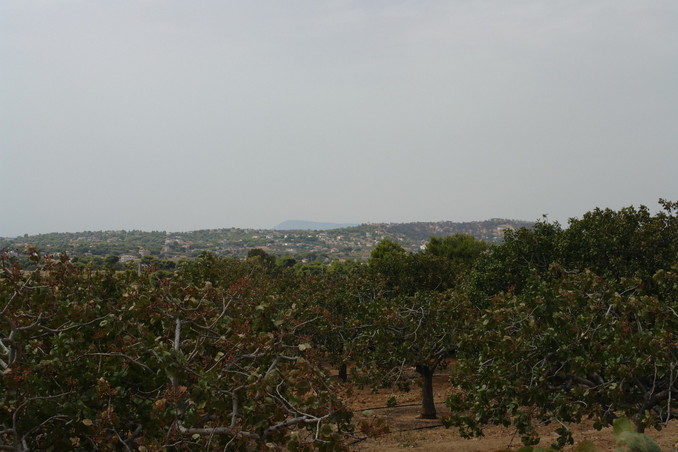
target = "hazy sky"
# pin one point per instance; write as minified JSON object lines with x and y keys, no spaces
{"x":182,"y":115}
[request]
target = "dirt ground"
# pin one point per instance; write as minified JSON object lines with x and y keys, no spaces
{"x":406,"y":432}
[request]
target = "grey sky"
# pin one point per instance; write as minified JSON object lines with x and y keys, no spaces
{"x":176,"y":115}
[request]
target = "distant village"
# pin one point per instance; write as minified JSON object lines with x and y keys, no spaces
{"x":354,"y":242}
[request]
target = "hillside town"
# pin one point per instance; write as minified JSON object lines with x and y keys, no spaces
{"x":306,"y":245}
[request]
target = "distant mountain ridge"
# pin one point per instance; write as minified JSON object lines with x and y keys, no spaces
{"x":303,"y":225}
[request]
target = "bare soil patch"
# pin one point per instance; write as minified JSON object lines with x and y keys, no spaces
{"x":407,"y":432}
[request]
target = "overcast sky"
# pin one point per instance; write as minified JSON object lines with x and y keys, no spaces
{"x":182,"y":115}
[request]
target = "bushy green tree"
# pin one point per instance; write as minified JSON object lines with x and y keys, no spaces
{"x":573,"y":323}
{"x":261,"y":257}
{"x":205,"y":359}
{"x":418,"y":331}
{"x":415,"y":322}
{"x":524,"y":251}
{"x":623,"y":243}
{"x":461,"y":249}
{"x":333,"y":311}
{"x":406,"y":273}
{"x":630,"y":242}
{"x":570,"y":345}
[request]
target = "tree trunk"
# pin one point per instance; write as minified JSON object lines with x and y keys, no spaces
{"x":343,"y":372}
{"x":428,"y":407}
{"x":640,"y":426}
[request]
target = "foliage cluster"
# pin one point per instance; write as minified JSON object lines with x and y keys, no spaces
{"x":120,"y":360}
{"x":573,"y":323}
{"x":554,"y":325}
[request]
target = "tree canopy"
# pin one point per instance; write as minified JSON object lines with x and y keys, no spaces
{"x":554,"y":325}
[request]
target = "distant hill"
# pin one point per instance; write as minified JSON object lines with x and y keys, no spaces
{"x":301,"y":225}
{"x":489,"y":230}
{"x":304,"y":240}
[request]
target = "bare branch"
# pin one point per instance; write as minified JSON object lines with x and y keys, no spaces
{"x":209,"y":431}
{"x":116,"y":355}
{"x":579,"y":380}
{"x":62,"y":329}
{"x":305,"y":419}
{"x":45,"y":422}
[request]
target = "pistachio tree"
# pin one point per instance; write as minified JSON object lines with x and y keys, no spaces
{"x":121,"y":360}
{"x":569,"y":346}
{"x":419,"y":332}
{"x":416,"y":320}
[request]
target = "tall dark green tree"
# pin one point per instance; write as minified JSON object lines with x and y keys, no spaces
{"x":461,"y":249}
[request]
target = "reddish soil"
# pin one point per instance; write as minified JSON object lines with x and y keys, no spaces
{"x":406,"y":432}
